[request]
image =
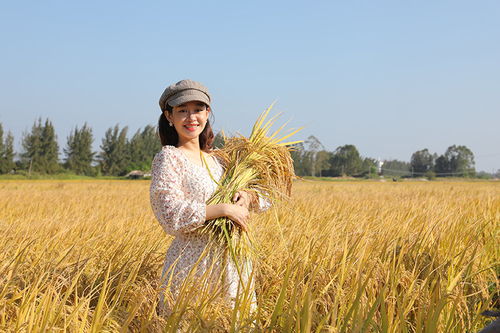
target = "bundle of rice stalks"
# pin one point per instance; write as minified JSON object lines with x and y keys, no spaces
{"x":260,"y":164}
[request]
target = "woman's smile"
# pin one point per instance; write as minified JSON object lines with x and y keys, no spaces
{"x":191,"y":127}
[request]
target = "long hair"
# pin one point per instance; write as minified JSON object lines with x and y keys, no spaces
{"x":169,"y":136}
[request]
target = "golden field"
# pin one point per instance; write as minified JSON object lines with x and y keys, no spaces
{"x":339,"y":257}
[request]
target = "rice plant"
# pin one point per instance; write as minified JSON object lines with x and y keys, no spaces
{"x":86,"y":256}
{"x":260,"y":165}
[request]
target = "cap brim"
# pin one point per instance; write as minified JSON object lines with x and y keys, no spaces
{"x":190,"y":97}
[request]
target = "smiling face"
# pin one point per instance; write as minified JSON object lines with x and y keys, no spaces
{"x":189,"y":120}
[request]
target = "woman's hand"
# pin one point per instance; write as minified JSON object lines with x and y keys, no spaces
{"x":243,"y":199}
{"x":238,"y":214}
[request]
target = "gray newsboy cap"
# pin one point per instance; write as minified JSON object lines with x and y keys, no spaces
{"x":182,"y":92}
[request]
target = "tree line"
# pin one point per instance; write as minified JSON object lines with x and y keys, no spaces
{"x":312,"y":159}
{"x":457,"y":161}
{"x":120,"y":154}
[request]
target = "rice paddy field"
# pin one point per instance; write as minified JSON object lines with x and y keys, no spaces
{"x":86,"y":256}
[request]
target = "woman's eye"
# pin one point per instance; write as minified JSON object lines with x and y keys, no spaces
{"x":181,"y":111}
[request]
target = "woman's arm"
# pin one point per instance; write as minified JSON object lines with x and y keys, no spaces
{"x":237,"y":214}
{"x":174,"y":213}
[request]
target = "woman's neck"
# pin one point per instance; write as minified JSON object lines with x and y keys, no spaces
{"x":190,"y":145}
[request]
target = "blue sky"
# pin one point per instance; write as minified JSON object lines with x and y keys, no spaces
{"x":390,"y":77}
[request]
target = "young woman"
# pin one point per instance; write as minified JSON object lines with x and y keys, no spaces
{"x":181,"y":185}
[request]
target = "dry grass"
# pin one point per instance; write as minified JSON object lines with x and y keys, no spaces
{"x":339,"y":257}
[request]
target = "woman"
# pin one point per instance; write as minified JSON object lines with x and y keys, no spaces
{"x":181,"y":185}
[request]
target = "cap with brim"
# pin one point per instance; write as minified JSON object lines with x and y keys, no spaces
{"x":188,"y":96}
{"x":182,"y":92}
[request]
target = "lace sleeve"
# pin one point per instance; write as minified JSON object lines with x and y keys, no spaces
{"x":259,"y":201}
{"x":173,"y":212}
{"x":264,"y":203}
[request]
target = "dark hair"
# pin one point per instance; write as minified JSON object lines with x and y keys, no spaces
{"x":169,"y":136}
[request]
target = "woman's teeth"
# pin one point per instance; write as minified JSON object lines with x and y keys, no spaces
{"x":191,"y":127}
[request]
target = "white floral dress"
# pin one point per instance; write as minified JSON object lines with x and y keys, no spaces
{"x":179,"y":191}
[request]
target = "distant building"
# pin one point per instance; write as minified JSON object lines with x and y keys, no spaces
{"x":137,"y":174}
{"x":379,"y":166}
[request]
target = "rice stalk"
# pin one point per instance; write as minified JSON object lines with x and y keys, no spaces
{"x":260,"y":165}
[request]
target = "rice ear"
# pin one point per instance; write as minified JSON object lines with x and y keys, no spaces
{"x":260,"y":164}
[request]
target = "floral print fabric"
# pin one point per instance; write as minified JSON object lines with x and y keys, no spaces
{"x":178,"y":193}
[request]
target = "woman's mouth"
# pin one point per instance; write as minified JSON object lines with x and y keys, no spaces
{"x":191,"y":127}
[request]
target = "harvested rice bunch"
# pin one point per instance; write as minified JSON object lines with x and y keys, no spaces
{"x":260,"y":164}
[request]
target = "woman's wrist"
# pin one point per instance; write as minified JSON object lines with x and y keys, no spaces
{"x":217,"y":210}
{"x":226,"y":209}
